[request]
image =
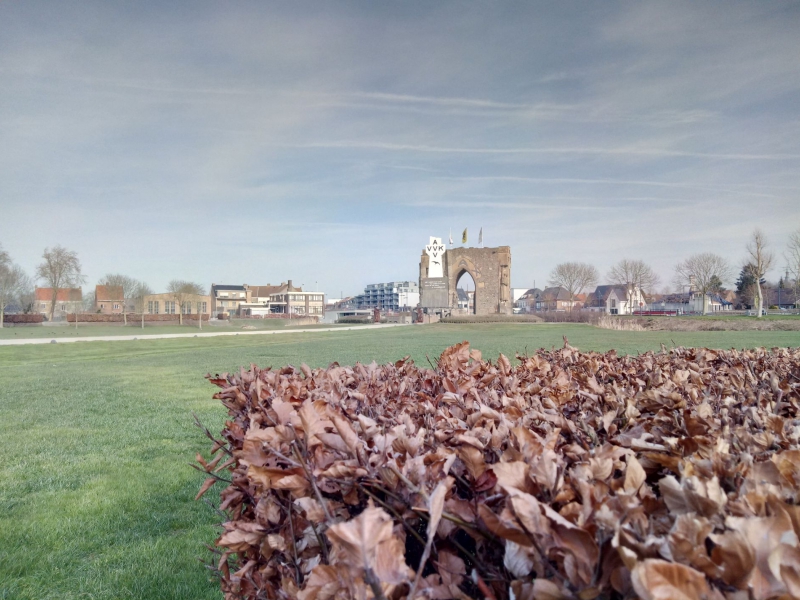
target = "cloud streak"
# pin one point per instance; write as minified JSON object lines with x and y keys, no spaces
{"x":638,"y":152}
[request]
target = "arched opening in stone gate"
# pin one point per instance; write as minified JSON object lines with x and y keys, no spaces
{"x":466,"y":290}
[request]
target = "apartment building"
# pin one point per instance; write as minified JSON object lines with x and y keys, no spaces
{"x":394,"y":296}
{"x":226,"y":299}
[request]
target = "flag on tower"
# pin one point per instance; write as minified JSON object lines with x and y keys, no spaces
{"x":480,"y":237}
{"x":451,"y":237}
{"x":464,"y":236}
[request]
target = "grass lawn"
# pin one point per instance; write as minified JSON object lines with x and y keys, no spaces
{"x":91,"y":330}
{"x":96,"y":497}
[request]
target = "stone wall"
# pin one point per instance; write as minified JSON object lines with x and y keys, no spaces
{"x":490,"y":269}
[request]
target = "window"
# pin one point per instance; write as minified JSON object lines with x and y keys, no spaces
{"x":44,"y":305}
{"x":152,"y":307}
{"x":201,"y":308}
{"x":186,"y":308}
{"x":169,"y":307}
{"x":116,"y":307}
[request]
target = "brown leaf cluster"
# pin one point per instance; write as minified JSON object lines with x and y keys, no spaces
{"x":571,"y":475}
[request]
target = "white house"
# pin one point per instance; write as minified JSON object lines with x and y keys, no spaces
{"x":622,"y":302}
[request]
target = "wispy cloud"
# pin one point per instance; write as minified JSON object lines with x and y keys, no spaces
{"x":638,"y":152}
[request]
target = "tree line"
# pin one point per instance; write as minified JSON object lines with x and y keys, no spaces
{"x":61,"y":269}
{"x":705,"y":273}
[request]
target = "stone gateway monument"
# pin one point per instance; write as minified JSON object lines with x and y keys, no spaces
{"x":440,"y":269}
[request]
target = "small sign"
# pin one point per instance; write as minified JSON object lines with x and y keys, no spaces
{"x":435,"y":251}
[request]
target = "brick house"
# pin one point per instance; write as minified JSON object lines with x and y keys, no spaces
{"x":68,"y":300}
{"x":555,"y":299}
{"x":109,"y":299}
{"x":528,"y":301}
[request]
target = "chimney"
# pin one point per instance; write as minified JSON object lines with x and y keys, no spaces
{"x":289,"y":284}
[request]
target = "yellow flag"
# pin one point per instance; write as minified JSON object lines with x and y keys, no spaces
{"x":464,"y":236}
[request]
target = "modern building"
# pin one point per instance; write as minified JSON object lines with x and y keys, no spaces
{"x":391,"y":296}
{"x":68,"y":301}
{"x":261,"y":300}
{"x":167,"y":304}
{"x":109,"y":299}
{"x":225,"y":299}
{"x":691,"y":302}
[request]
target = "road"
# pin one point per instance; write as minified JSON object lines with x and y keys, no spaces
{"x":164,"y":336}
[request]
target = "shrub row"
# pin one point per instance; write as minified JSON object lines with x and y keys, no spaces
{"x":29,"y":318}
{"x":492,"y":319}
{"x":356,"y":319}
{"x":131,"y":318}
{"x":571,"y":475}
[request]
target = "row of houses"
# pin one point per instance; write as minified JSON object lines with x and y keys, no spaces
{"x":225,"y":300}
{"x":621,"y":300}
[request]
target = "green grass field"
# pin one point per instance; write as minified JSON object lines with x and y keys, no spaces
{"x":96,"y":496}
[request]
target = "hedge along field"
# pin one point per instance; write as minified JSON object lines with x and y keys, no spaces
{"x":96,"y":495}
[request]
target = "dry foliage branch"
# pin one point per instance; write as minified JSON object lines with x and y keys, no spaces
{"x":569,"y":476}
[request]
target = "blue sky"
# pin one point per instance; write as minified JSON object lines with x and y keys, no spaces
{"x":325,"y":142}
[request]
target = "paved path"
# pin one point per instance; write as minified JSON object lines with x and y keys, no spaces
{"x":163,"y":336}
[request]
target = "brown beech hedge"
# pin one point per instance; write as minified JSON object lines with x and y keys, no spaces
{"x":572,"y":475}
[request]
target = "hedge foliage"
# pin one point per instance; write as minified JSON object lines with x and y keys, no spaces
{"x":461,"y":319}
{"x":569,"y":476}
{"x":24,"y":318}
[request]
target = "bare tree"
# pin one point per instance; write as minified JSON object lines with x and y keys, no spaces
{"x":181,"y":292}
{"x":573,"y":277}
{"x":793,"y":261}
{"x":61,"y":269}
{"x":635,"y":275}
{"x":138,"y":293}
{"x":13,"y":282}
{"x":760,"y":262}
{"x":704,"y":272}
{"x":89,"y":301}
{"x":128,"y":284}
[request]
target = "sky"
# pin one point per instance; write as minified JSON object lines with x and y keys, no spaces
{"x":325,"y":142}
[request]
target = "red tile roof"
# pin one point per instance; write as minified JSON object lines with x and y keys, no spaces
{"x":64,"y":294}
{"x":108,"y":293}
